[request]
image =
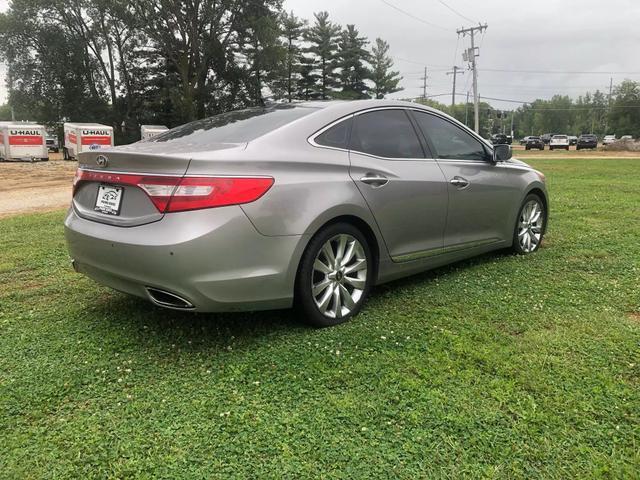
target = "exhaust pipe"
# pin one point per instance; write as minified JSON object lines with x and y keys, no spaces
{"x":166,"y":299}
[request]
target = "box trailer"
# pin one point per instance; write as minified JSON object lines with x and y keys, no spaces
{"x":20,"y":141}
{"x":148,"y":131}
{"x":85,"y":137}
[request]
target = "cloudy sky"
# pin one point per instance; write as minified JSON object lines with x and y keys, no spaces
{"x":563,"y":41}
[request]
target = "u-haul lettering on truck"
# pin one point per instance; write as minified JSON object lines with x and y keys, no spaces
{"x":23,"y":137}
{"x":96,"y":132}
{"x":96,"y":138}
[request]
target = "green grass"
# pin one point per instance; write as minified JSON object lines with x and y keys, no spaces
{"x":497,"y":367}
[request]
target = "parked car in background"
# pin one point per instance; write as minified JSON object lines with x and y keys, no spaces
{"x":52,"y":142}
{"x":626,"y":137}
{"x":523,"y":141}
{"x":546,"y":138}
{"x":559,"y":141}
{"x":573,"y":140}
{"x":608,"y":139}
{"x":499,"y":139}
{"x":534,"y":142}
{"x":232,"y":213}
{"x":587,"y":140}
{"x":148,"y":131}
{"x":509,"y":139}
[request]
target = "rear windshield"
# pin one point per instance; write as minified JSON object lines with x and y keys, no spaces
{"x":240,"y":126}
{"x":560,"y":137}
{"x":534,"y":138}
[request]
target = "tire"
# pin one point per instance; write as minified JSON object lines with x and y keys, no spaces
{"x":527,"y":148}
{"x":65,"y":154}
{"x":330,"y":305}
{"x":44,"y":159}
{"x":567,"y":149}
{"x":535,"y":230}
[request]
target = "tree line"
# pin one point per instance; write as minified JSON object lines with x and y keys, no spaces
{"x":126,"y":63}
{"x":593,"y":112}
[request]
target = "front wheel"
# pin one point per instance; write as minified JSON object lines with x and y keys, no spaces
{"x":529,"y":230}
{"x":335,"y":276}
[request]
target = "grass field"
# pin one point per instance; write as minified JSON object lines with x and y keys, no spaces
{"x":498,"y":367}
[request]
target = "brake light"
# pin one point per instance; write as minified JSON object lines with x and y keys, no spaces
{"x":179,"y":194}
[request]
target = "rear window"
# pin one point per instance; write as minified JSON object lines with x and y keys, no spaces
{"x":560,"y":137}
{"x":240,"y":126}
{"x":534,"y":138}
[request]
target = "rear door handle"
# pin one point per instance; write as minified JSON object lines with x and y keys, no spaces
{"x":460,"y":182}
{"x":375,"y":180}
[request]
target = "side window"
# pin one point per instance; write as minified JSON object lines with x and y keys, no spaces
{"x":386,"y":133}
{"x":450,"y":141}
{"x":336,"y":136}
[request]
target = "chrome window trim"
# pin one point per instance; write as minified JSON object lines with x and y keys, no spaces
{"x":311,"y":139}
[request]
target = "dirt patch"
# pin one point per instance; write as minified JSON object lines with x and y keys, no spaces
{"x":32,"y":187}
{"x":634,"y":316}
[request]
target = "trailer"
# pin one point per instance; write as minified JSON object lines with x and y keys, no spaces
{"x":85,"y":137}
{"x":148,"y":131}
{"x":23,"y":141}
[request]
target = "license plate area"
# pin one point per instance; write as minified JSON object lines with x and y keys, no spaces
{"x":109,"y":199}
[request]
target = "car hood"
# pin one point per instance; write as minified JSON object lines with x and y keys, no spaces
{"x":519,"y":163}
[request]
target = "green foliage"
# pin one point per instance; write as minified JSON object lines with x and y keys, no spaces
{"x":352,"y":56}
{"x":496,"y":367}
{"x":385,"y":80}
{"x":323,"y":37}
{"x":624,"y":118}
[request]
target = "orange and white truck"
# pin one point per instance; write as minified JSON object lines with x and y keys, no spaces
{"x":20,"y":141}
{"x":85,"y":137}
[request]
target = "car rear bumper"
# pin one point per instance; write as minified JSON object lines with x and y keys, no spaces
{"x":213,"y":259}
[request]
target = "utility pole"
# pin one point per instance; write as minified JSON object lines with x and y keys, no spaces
{"x":455,"y":71}
{"x":606,"y":119}
{"x":466,"y":111}
{"x":424,"y":84}
{"x":470,"y":57}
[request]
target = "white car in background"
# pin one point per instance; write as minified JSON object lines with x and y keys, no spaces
{"x":608,"y":139}
{"x":559,"y":141}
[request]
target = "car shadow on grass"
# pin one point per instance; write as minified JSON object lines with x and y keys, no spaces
{"x":126,"y":313}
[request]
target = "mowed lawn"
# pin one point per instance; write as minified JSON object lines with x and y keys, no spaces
{"x":500,"y":367}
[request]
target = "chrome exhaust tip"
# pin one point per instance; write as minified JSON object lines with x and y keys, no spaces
{"x":165,"y":299}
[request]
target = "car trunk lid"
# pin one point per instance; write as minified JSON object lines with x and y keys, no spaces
{"x":131,"y":185}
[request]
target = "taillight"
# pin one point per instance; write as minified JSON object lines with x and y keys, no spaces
{"x":179,"y":194}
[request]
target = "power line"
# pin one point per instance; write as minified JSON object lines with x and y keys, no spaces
{"x":456,"y":12}
{"x":411,"y":15}
{"x":561,"y":72}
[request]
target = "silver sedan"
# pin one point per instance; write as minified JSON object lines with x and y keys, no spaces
{"x":306,"y":204}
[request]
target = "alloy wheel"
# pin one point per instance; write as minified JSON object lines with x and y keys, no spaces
{"x":339,"y":276}
{"x":530,"y":226}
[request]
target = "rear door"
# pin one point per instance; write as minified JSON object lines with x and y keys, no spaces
{"x":404,"y":188}
{"x":482,"y":194}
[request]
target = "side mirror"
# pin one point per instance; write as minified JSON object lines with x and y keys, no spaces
{"x":501,"y":153}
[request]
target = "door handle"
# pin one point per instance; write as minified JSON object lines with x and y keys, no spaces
{"x":460,"y":182}
{"x":375,"y":180}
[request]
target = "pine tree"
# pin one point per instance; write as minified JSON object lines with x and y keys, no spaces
{"x":351,"y":57}
{"x":292,"y":29}
{"x":384,"y":79}
{"x":323,"y":37}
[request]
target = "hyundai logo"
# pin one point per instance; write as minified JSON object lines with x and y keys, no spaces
{"x":102,"y":161}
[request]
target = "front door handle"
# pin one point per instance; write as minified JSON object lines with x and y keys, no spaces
{"x":460,"y":182}
{"x":375,"y":180}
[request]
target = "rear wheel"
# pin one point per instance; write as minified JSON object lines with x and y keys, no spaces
{"x":335,"y":276}
{"x":529,"y":230}
{"x":65,"y":153}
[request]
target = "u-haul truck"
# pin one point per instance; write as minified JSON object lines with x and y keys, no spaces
{"x":85,"y":137}
{"x":23,"y":141}
{"x":148,"y":131}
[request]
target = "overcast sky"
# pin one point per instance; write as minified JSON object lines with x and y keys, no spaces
{"x":542,"y":35}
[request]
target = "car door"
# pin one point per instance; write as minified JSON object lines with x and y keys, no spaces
{"x":404,"y":188}
{"x":482,"y":194}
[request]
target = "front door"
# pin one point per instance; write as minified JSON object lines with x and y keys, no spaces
{"x":482,"y":194}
